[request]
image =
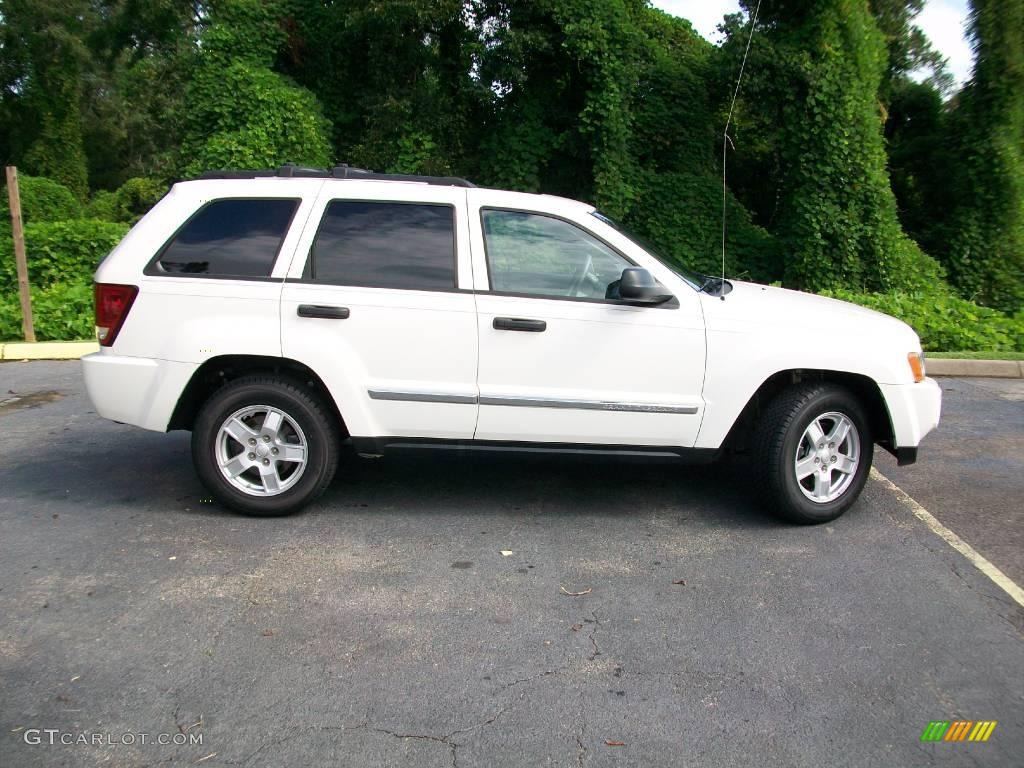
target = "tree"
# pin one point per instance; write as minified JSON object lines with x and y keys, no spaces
{"x":394,"y":77}
{"x":43,"y":42}
{"x":985,"y":254}
{"x":133,"y":102}
{"x":920,"y":161}
{"x":834,"y":212}
{"x":909,"y":49}
{"x":240,"y":112}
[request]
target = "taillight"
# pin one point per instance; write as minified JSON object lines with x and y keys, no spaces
{"x":112,"y":305}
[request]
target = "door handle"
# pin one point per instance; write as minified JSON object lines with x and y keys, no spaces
{"x":328,"y":313}
{"x":519,"y":324}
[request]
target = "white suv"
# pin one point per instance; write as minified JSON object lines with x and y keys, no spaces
{"x":280,"y":314}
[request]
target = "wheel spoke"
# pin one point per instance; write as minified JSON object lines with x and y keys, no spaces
{"x":272,"y":423}
{"x":236,"y":466}
{"x":846,"y":465}
{"x":271,"y":480}
{"x":289,"y":452}
{"x":239,"y":430}
{"x":815,"y":433}
{"x":839,"y":432}
{"x":806,"y":467}
{"x":822,"y":484}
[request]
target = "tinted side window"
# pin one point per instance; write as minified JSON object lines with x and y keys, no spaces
{"x":544,"y":256}
{"x":230,"y":238}
{"x":385,"y":245}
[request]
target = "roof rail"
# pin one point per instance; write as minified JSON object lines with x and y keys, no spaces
{"x":343,"y":171}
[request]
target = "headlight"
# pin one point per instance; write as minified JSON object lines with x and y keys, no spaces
{"x":916,"y":361}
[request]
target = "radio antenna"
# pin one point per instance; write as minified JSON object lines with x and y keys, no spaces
{"x":726,"y":141}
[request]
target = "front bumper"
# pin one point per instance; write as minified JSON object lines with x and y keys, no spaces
{"x":914,"y":410}
{"x":135,"y":390}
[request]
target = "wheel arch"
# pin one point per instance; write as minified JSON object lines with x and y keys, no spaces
{"x":217,"y":371}
{"x":863,"y":387}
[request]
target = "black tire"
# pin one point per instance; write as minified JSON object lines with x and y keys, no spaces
{"x":301,"y":405}
{"x":778,"y":437}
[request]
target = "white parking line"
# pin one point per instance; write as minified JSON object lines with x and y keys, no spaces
{"x":1001,"y":580}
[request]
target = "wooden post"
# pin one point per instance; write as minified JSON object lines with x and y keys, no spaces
{"x":18,"y":232}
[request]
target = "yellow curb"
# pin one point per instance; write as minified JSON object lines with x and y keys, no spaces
{"x":46,"y":350}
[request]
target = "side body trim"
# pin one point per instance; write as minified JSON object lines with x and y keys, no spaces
{"x":421,"y":397}
{"x":529,"y":402}
{"x":587,"y":405}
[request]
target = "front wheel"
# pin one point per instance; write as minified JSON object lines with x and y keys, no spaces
{"x":812,"y":452}
{"x":265,"y":445}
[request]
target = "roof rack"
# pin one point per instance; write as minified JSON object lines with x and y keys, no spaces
{"x":343,"y":171}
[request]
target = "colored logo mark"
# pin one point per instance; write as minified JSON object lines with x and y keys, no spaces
{"x":958,"y":730}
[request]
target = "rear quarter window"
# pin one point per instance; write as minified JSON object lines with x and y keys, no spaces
{"x":228,"y":238}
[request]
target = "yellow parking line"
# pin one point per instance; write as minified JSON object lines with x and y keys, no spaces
{"x":1001,"y":580}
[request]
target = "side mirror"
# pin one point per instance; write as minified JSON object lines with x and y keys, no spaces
{"x":638,"y":286}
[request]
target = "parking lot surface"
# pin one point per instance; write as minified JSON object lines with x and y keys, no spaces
{"x":477,"y":611}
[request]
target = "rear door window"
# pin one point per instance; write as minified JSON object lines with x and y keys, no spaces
{"x":372,"y":244}
{"x":229,"y":238}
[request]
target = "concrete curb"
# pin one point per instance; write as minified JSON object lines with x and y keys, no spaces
{"x":1001,"y":369}
{"x":46,"y":350}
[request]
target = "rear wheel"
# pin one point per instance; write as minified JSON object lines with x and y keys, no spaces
{"x":265,"y":445}
{"x":812,"y":452}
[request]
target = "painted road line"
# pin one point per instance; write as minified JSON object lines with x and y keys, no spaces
{"x":1002,"y":581}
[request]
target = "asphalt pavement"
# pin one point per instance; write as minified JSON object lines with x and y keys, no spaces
{"x":476,"y":611}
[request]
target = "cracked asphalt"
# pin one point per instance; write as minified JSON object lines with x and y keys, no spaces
{"x":386,"y":626}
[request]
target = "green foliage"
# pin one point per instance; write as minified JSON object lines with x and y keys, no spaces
{"x":985,"y":234}
{"x":246,"y":116}
{"x":920,"y":161}
{"x":60,"y":252}
{"x":681,"y":214}
{"x":41,"y":200}
{"x":609,"y":101}
{"x":60,"y":312}
{"x":944,"y":321}
{"x":129,"y":202}
{"x":48,"y":38}
{"x":818,"y":73}
{"x":242,"y":114}
{"x":909,"y":49}
{"x":62,"y":256}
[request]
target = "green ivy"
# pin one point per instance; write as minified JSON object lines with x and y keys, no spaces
{"x":985,"y":231}
{"x":241,"y":113}
{"x":946,"y":322}
{"x":60,"y":312}
{"x":60,"y":252}
{"x":41,"y":200}
{"x":129,"y":202}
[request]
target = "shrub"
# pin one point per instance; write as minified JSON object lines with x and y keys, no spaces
{"x":946,"y":322}
{"x":129,"y":203}
{"x":41,"y":200}
{"x":60,"y":252}
{"x":61,"y":311}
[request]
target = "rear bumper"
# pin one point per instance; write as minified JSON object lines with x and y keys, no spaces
{"x":914,"y":410}
{"x":135,"y":390}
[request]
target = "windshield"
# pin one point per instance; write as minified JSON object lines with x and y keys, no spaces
{"x":695,"y":279}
